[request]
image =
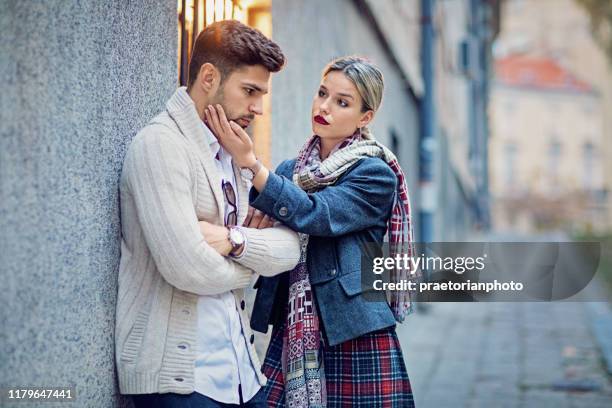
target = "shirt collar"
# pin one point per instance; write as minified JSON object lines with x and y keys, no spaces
{"x":212,"y":140}
{"x":215,"y":147}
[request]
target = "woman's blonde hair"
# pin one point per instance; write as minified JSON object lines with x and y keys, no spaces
{"x":367,"y":78}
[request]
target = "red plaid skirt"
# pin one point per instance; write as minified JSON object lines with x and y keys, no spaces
{"x":368,"y":371}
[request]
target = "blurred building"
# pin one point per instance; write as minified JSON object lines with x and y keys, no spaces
{"x":559,"y":30}
{"x":557,"y":33}
{"x":546,"y":150}
{"x":465,"y":30}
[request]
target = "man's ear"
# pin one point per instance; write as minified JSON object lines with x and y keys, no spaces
{"x":366,"y":118}
{"x":209,"y":78}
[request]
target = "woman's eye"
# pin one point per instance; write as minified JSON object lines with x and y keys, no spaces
{"x":342,"y":103}
{"x":321,"y":94}
{"x":249,"y":91}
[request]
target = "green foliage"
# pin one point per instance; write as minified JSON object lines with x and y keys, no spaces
{"x":604,"y":270}
{"x":600,"y":12}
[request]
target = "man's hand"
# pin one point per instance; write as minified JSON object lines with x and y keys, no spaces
{"x":258,"y":219}
{"x":216,"y":237}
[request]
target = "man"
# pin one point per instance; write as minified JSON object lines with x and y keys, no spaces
{"x":182,"y":332}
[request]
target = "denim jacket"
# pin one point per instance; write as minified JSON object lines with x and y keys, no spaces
{"x":338,"y":219}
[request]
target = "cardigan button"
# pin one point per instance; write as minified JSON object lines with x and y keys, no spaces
{"x":183,"y":346}
{"x":283,"y":211}
{"x":252,"y":339}
{"x":332,"y":272}
{"x":242,"y":304}
{"x":178,"y":379}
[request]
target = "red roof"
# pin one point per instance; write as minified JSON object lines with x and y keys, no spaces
{"x":537,"y":72}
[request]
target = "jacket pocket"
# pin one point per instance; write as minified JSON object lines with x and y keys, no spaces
{"x":133,"y":343}
{"x":351,"y":283}
{"x":322,"y":262}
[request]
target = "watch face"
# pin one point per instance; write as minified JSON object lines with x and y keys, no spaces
{"x":236,"y":237}
{"x":247,"y":173}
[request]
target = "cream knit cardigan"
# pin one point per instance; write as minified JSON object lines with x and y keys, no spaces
{"x":169,"y":182}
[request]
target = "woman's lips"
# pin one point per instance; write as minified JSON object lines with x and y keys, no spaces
{"x":319,"y":119}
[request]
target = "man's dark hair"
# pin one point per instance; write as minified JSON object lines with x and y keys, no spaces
{"x":230,"y":45}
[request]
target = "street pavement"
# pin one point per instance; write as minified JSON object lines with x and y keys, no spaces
{"x":498,"y":354}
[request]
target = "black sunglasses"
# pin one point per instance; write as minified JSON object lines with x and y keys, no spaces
{"x":231,"y":218}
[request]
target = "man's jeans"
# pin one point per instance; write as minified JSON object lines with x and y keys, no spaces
{"x":193,"y":400}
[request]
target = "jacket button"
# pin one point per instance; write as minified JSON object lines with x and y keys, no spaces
{"x":283,"y":211}
{"x":178,"y":379}
{"x":332,"y":272}
{"x":183,"y":346}
{"x":252,"y":339}
{"x":242,"y":304}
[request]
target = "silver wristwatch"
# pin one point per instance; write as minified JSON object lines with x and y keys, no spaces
{"x":236,"y":238}
{"x":249,"y":173}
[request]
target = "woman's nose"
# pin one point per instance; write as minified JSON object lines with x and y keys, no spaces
{"x":324,"y":107}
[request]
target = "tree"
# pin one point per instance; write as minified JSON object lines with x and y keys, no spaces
{"x":600,"y":12}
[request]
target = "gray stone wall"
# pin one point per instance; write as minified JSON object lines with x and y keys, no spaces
{"x":78,"y":79}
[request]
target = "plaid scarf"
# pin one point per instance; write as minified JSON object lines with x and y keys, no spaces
{"x":302,"y":365}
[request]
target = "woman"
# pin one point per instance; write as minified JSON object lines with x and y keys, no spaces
{"x":329,"y":346}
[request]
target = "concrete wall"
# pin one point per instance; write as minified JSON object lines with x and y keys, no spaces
{"x":311,"y":34}
{"x":78,"y":80}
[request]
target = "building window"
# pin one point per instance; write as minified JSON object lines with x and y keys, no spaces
{"x":510,"y":154}
{"x":194,"y":16}
{"x":554,"y":159}
{"x":588,"y":163}
{"x":588,"y":108}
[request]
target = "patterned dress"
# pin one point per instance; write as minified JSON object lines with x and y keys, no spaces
{"x":368,"y":371}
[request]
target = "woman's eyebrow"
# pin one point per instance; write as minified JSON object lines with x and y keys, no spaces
{"x":346,"y":95}
{"x":339,"y":93}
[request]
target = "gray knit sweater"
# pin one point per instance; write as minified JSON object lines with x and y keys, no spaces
{"x":170,"y":182}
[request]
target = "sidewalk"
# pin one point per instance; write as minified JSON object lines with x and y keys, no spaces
{"x":505,"y":355}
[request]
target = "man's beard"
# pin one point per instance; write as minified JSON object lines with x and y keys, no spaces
{"x":220,"y":100}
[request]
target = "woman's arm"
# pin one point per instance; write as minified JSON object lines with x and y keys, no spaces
{"x":361,"y":199}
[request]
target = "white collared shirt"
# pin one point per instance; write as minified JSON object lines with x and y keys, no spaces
{"x":223,"y":362}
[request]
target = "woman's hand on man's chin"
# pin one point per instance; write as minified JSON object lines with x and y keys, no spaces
{"x":231,"y":136}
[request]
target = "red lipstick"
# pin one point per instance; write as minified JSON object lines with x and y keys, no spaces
{"x":319,"y":119}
